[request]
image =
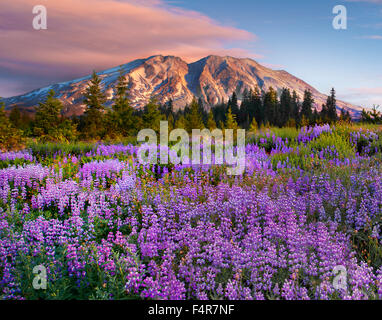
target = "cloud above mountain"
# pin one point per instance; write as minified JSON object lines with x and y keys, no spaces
{"x":364,"y":96}
{"x":97,"y":34}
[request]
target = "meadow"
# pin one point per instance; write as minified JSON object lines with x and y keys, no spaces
{"x":107,"y":227}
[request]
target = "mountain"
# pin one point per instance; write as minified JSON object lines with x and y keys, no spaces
{"x":213,"y":79}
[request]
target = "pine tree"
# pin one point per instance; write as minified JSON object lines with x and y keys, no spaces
{"x":295,"y":108}
{"x":270,"y":105}
{"x":15,"y":117}
{"x":331,"y":107}
{"x":171,"y":122}
{"x":121,"y":118}
{"x":230,"y":120}
{"x":316,"y":116}
{"x":375,"y":114}
{"x":257,"y":105}
{"x":234,"y":105}
{"x":254,"y":126}
{"x":93,"y":118}
{"x":180,"y":123}
{"x":307,"y":105}
{"x":285,"y":111}
{"x":151,"y":115}
{"x":49,"y":124}
{"x":194,"y":118}
{"x":10,"y":137}
{"x":211,"y":124}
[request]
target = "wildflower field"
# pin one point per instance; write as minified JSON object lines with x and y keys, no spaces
{"x":107,"y":227}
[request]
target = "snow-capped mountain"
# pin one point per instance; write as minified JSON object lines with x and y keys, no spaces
{"x":213,"y":79}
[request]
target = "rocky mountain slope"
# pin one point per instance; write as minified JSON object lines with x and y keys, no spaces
{"x":213,"y":79}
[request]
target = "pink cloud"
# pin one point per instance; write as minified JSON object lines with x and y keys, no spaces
{"x":98,"y":34}
{"x":366,"y":96}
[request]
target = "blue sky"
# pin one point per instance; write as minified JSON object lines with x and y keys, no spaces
{"x":298,"y":36}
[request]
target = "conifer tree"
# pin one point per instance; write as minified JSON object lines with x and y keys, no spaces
{"x":151,"y":115}
{"x":270,"y":106}
{"x":254,"y":126}
{"x":121,"y":118}
{"x":230,"y":120}
{"x":49,"y":124}
{"x":15,"y":117}
{"x":171,"y":122}
{"x":285,"y":111}
{"x":194,"y":118}
{"x":307,"y":105}
{"x":10,"y":137}
{"x":180,"y":123}
{"x":295,"y":108}
{"x":234,"y":105}
{"x":211,"y":124}
{"x":93,"y":118}
{"x":331,"y":107}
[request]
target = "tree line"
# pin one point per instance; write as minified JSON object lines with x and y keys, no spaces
{"x":257,"y":109}
{"x":371,"y":116}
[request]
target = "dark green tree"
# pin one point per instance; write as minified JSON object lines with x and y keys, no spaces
{"x":234,"y":105}
{"x":296,"y":108}
{"x":270,"y":106}
{"x":151,"y":115}
{"x":92,"y":125}
{"x":211,"y":124}
{"x":121,"y":118}
{"x":49,"y":124}
{"x":331,"y":107}
{"x":194,"y":118}
{"x":307,"y":106}
{"x":285,"y":110}
{"x":15,"y":117}
{"x":10,"y":137}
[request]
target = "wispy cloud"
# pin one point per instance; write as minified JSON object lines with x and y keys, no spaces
{"x":372,"y":37}
{"x":98,"y":34}
{"x":365,"y":96}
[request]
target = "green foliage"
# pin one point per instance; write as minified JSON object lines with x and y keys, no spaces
{"x":152,"y":116}
{"x":97,"y":284}
{"x":371,"y":116}
{"x":254,"y":126}
{"x":231,"y":120}
{"x":49,"y":125}
{"x":211,"y":124}
{"x":15,"y":117}
{"x":180,"y":123}
{"x":121,"y":120}
{"x":194,"y":119}
{"x":10,"y":137}
{"x":329,"y":110}
{"x":93,"y":118}
{"x":49,"y":149}
{"x":307,"y":106}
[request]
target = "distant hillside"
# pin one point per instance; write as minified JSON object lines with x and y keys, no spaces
{"x":213,"y":79}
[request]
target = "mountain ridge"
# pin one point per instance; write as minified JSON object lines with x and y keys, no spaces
{"x":212,"y":79}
